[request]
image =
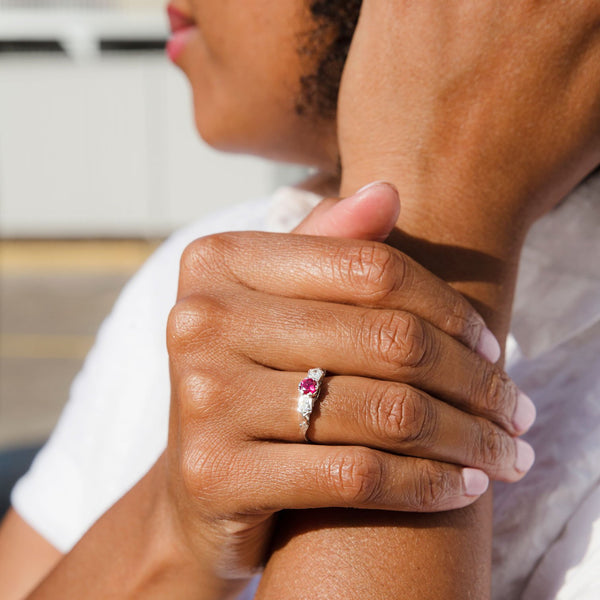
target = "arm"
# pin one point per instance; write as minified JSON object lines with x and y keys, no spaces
{"x":25,"y":557}
{"x":132,"y":552}
{"x":480,"y":138}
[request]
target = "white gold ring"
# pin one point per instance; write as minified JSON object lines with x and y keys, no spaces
{"x":309,"y":389}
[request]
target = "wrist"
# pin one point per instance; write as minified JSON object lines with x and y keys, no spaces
{"x":454,"y":205}
{"x":133,"y":551}
{"x":186,"y":559}
{"x":469,"y":238}
{"x":162,"y":561}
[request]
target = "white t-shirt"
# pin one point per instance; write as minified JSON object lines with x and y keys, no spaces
{"x":547,"y":527}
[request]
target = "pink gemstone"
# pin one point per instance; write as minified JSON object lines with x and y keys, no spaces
{"x":308,"y":386}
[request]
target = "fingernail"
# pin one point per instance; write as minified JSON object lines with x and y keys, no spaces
{"x":375,"y":184}
{"x":525,"y":456}
{"x":476,"y":482}
{"x":525,"y":413}
{"x":488,"y":346}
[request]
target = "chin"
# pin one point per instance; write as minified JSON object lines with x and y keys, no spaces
{"x":220,"y":135}
{"x":296,"y":145}
{"x":211,"y":133}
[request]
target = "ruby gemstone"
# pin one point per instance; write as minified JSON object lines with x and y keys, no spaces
{"x":308,"y":386}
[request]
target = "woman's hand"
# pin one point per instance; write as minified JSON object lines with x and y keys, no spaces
{"x":442,"y":94}
{"x":407,"y":403}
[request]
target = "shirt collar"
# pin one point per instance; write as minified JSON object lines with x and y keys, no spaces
{"x":289,"y":206}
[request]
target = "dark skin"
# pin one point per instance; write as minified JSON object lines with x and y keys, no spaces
{"x":378,"y":559}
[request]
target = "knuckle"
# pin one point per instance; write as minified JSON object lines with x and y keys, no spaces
{"x":400,"y":414}
{"x":492,"y":445}
{"x":415,"y":341}
{"x":204,"y":254}
{"x":433,"y":487}
{"x":199,"y":253}
{"x":354,"y":476}
{"x":192,"y":320}
{"x":195,"y":468}
{"x":463,"y":324}
{"x":180,"y":323}
{"x":498,"y":393}
{"x":401,"y":339}
{"x":203,"y":471}
{"x":199,"y":393}
{"x":367,"y":269}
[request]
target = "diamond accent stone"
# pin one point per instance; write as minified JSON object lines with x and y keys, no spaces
{"x":305,"y":405}
{"x":316,"y":374}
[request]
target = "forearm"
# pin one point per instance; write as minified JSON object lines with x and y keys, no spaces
{"x":131,"y":552}
{"x":356,"y":554}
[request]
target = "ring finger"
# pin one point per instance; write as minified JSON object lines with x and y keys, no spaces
{"x":387,"y":416}
{"x":394,"y":345}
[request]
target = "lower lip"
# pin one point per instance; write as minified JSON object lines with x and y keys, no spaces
{"x":178,"y":42}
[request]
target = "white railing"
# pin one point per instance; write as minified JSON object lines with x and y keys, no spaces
{"x":96,"y":143}
{"x":80,"y":31}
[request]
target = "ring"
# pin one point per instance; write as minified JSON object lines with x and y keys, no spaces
{"x":309,"y":389}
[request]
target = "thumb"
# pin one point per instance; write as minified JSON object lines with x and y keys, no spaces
{"x":369,"y":214}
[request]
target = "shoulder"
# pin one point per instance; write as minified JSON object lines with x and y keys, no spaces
{"x":152,"y":290}
{"x":114,"y":425}
{"x":250,"y":215}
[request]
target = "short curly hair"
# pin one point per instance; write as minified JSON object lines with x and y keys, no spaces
{"x":328,"y":43}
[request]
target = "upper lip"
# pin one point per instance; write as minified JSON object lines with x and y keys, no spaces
{"x":178,"y":19}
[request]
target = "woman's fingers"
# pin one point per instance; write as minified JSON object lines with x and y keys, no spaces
{"x":293,"y":335}
{"x":236,"y":476}
{"x":301,"y":476}
{"x":383,"y":415}
{"x":333,"y":270}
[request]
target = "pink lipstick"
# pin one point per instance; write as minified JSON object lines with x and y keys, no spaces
{"x":178,"y":19}
{"x":182,"y":27}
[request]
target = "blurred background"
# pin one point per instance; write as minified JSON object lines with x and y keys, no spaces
{"x":99,"y":161}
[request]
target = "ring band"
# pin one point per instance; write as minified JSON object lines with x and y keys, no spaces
{"x":309,"y":389}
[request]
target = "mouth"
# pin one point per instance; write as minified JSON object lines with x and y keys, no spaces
{"x":179,"y":21}
{"x":183,"y":28}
